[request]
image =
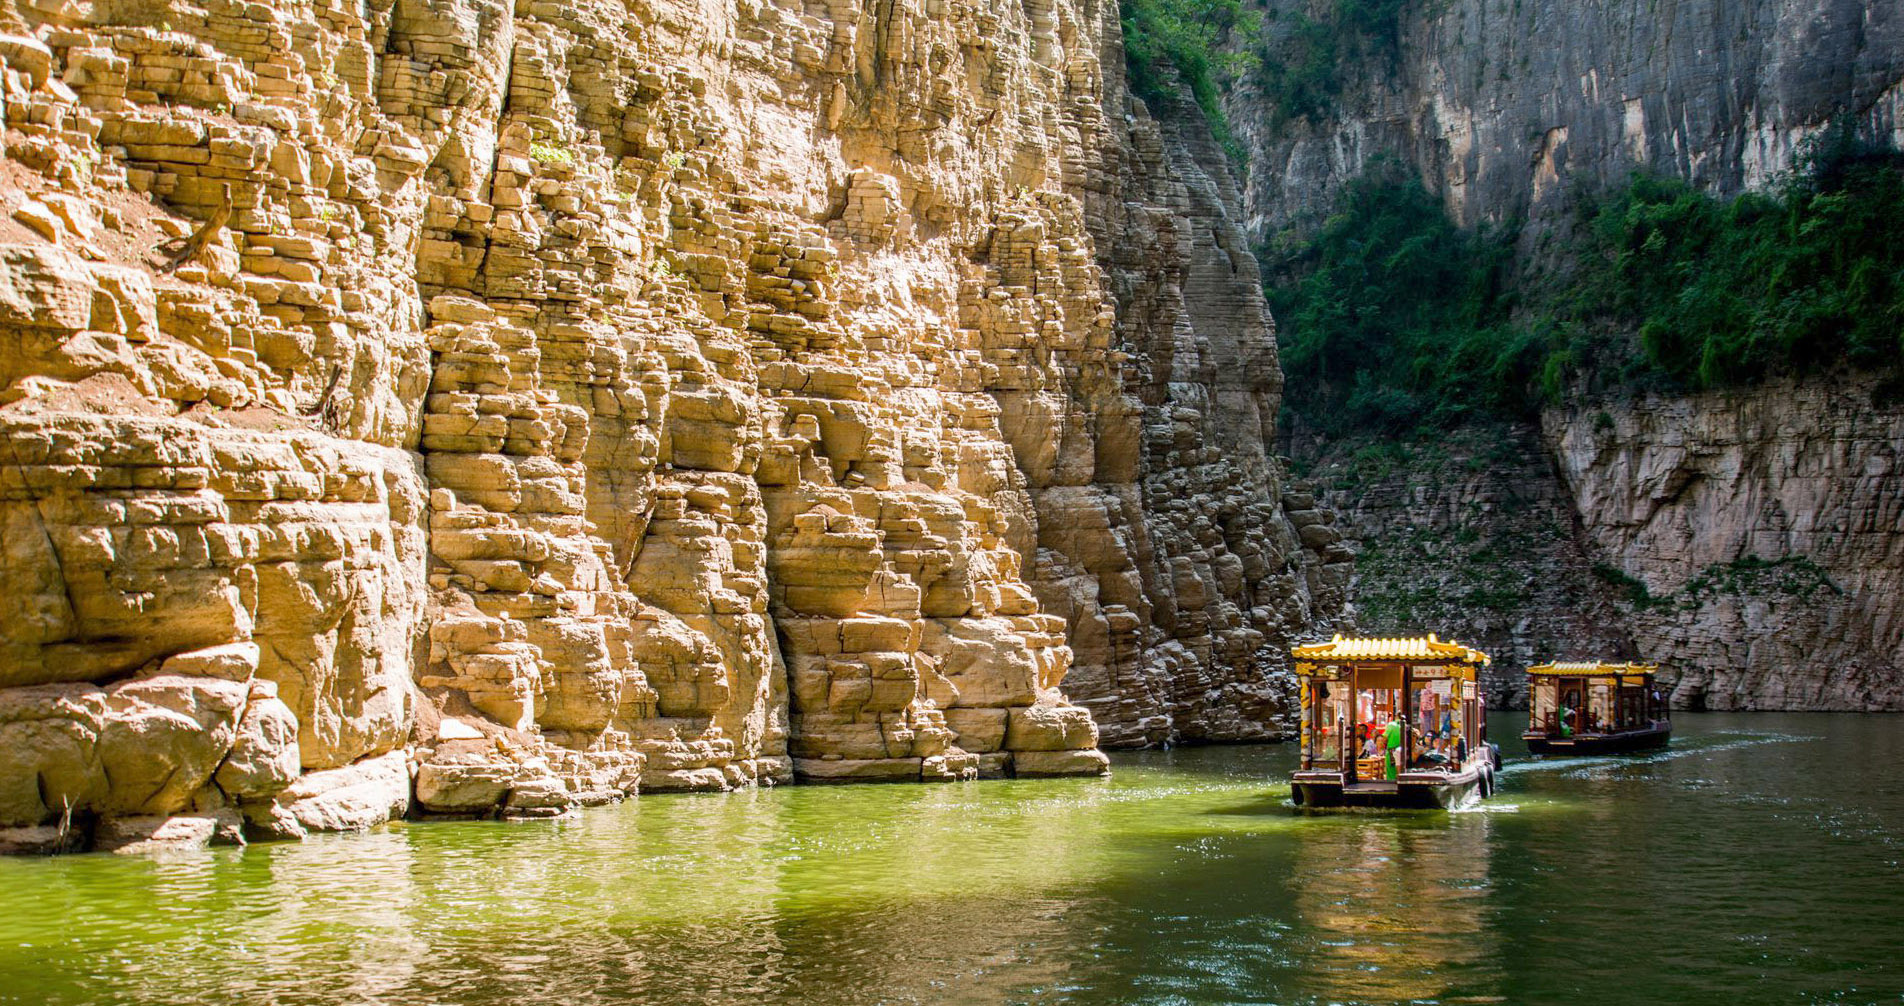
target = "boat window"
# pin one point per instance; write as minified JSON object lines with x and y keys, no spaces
{"x":1541,"y":705}
{"x":1599,"y":706}
{"x":1374,"y":708}
{"x":1326,"y":739}
{"x":1436,"y":722}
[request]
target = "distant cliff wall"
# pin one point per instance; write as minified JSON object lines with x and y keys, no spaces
{"x":1503,"y":109}
{"x":1767,"y":530}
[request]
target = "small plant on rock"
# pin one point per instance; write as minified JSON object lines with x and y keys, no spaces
{"x":550,"y":153}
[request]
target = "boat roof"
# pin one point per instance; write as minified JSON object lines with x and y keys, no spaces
{"x":1344,"y":649}
{"x":1591,"y":669}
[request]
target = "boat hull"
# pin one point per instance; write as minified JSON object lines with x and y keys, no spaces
{"x":1599,"y":744}
{"x":1420,"y":793}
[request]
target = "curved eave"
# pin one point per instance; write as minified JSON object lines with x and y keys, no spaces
{"x":1591,"y":669}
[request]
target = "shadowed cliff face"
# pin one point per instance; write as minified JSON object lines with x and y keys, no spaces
{"x":536,"y":403}
{"x":1750,"y":542}
{"x":1504,"y":109}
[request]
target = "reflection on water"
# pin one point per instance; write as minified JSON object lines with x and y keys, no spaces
{"x":1757,"y":860}
{"x":1396,"y":906}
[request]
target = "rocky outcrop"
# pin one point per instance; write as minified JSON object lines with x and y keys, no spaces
{"x":1507,"y":113}
{"x":1748,"y":541}
{"x":1764,"y":531}
{"x":1475,"y":537}
{"x":458,"y":407}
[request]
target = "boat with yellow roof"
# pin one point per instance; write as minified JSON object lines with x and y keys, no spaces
{"x":1595,"y":707}
{"x":1392,"y":723}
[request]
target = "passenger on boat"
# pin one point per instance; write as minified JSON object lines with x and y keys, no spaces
{"x":1393,"y":742}
{"x":1430,"y":751}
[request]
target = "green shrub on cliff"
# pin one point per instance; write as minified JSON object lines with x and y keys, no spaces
{"x":1392,"y":317}
{"x":1729,"y":291}
{"x":1302,"y":65}
{"x":1393,"y":320}
{"x":1188,"y":35}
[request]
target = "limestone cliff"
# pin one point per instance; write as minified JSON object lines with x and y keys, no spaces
{"x":469,"y":407}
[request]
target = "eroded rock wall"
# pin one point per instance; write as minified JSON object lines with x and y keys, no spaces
{"x":1473,"y":536}
{"x":1748,"y":541}
{"x":463,"y":407}
{"x":1767,"y":528}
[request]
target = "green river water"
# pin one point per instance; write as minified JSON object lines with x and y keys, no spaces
{"x":1757,"y":861}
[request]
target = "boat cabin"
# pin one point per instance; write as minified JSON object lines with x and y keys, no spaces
{"x":1595,"y":707}
{"x":1391,"y":722}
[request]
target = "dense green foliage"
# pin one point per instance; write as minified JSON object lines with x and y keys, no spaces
{"x":1188,"y":34}
{"x":1301,"y":69}
{"x":1391,"y":317}
{"x":1394,"y":320}
{"x":1724,"y":292}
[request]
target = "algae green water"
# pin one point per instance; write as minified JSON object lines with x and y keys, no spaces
{"x":1757,"y":861}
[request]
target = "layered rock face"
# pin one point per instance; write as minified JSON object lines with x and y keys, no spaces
{"x":1767,"y":528}
{"x":1183,"y":567}
{"x":539,"y":403}
{"x":1748,"y":541}
{"x":1507,"y":112}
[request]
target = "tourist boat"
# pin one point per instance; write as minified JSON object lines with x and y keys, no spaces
{"x":1595,"y":708}
{"x":1352,"y":689}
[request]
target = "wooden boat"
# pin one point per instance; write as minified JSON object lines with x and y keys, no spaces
{"x":1351,"y":688}
{"x":1595,"y":707}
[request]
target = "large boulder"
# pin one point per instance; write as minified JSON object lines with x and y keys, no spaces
{"x":1050,"y":727}
{"x":264,"y":757}
{"x":357,"y":796}
{"x":465,"y":777}
{"x":49,"y":752}
{"x":163,"y":738}
{"x":1047,"y":763}
{"x":183,"y":832}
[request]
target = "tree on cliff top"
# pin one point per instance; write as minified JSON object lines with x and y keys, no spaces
{"x":1188,"y":35}
{"x":1392,"y":319}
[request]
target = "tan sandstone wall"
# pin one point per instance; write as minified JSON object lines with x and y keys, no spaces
{"x":576,"y":399}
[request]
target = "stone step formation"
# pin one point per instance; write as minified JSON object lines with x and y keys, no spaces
{"x":464,"y":407}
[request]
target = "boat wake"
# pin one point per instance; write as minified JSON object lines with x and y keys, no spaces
{"x":1725,"y":741}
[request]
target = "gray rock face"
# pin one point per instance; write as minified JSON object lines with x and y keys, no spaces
{"x":1474,"y":538}
{"x":1768,"y":527}
{"x":1503,"y":109}
{"x":1761,"y":523}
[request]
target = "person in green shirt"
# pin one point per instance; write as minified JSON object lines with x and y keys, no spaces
{"x":1392,"y":744}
